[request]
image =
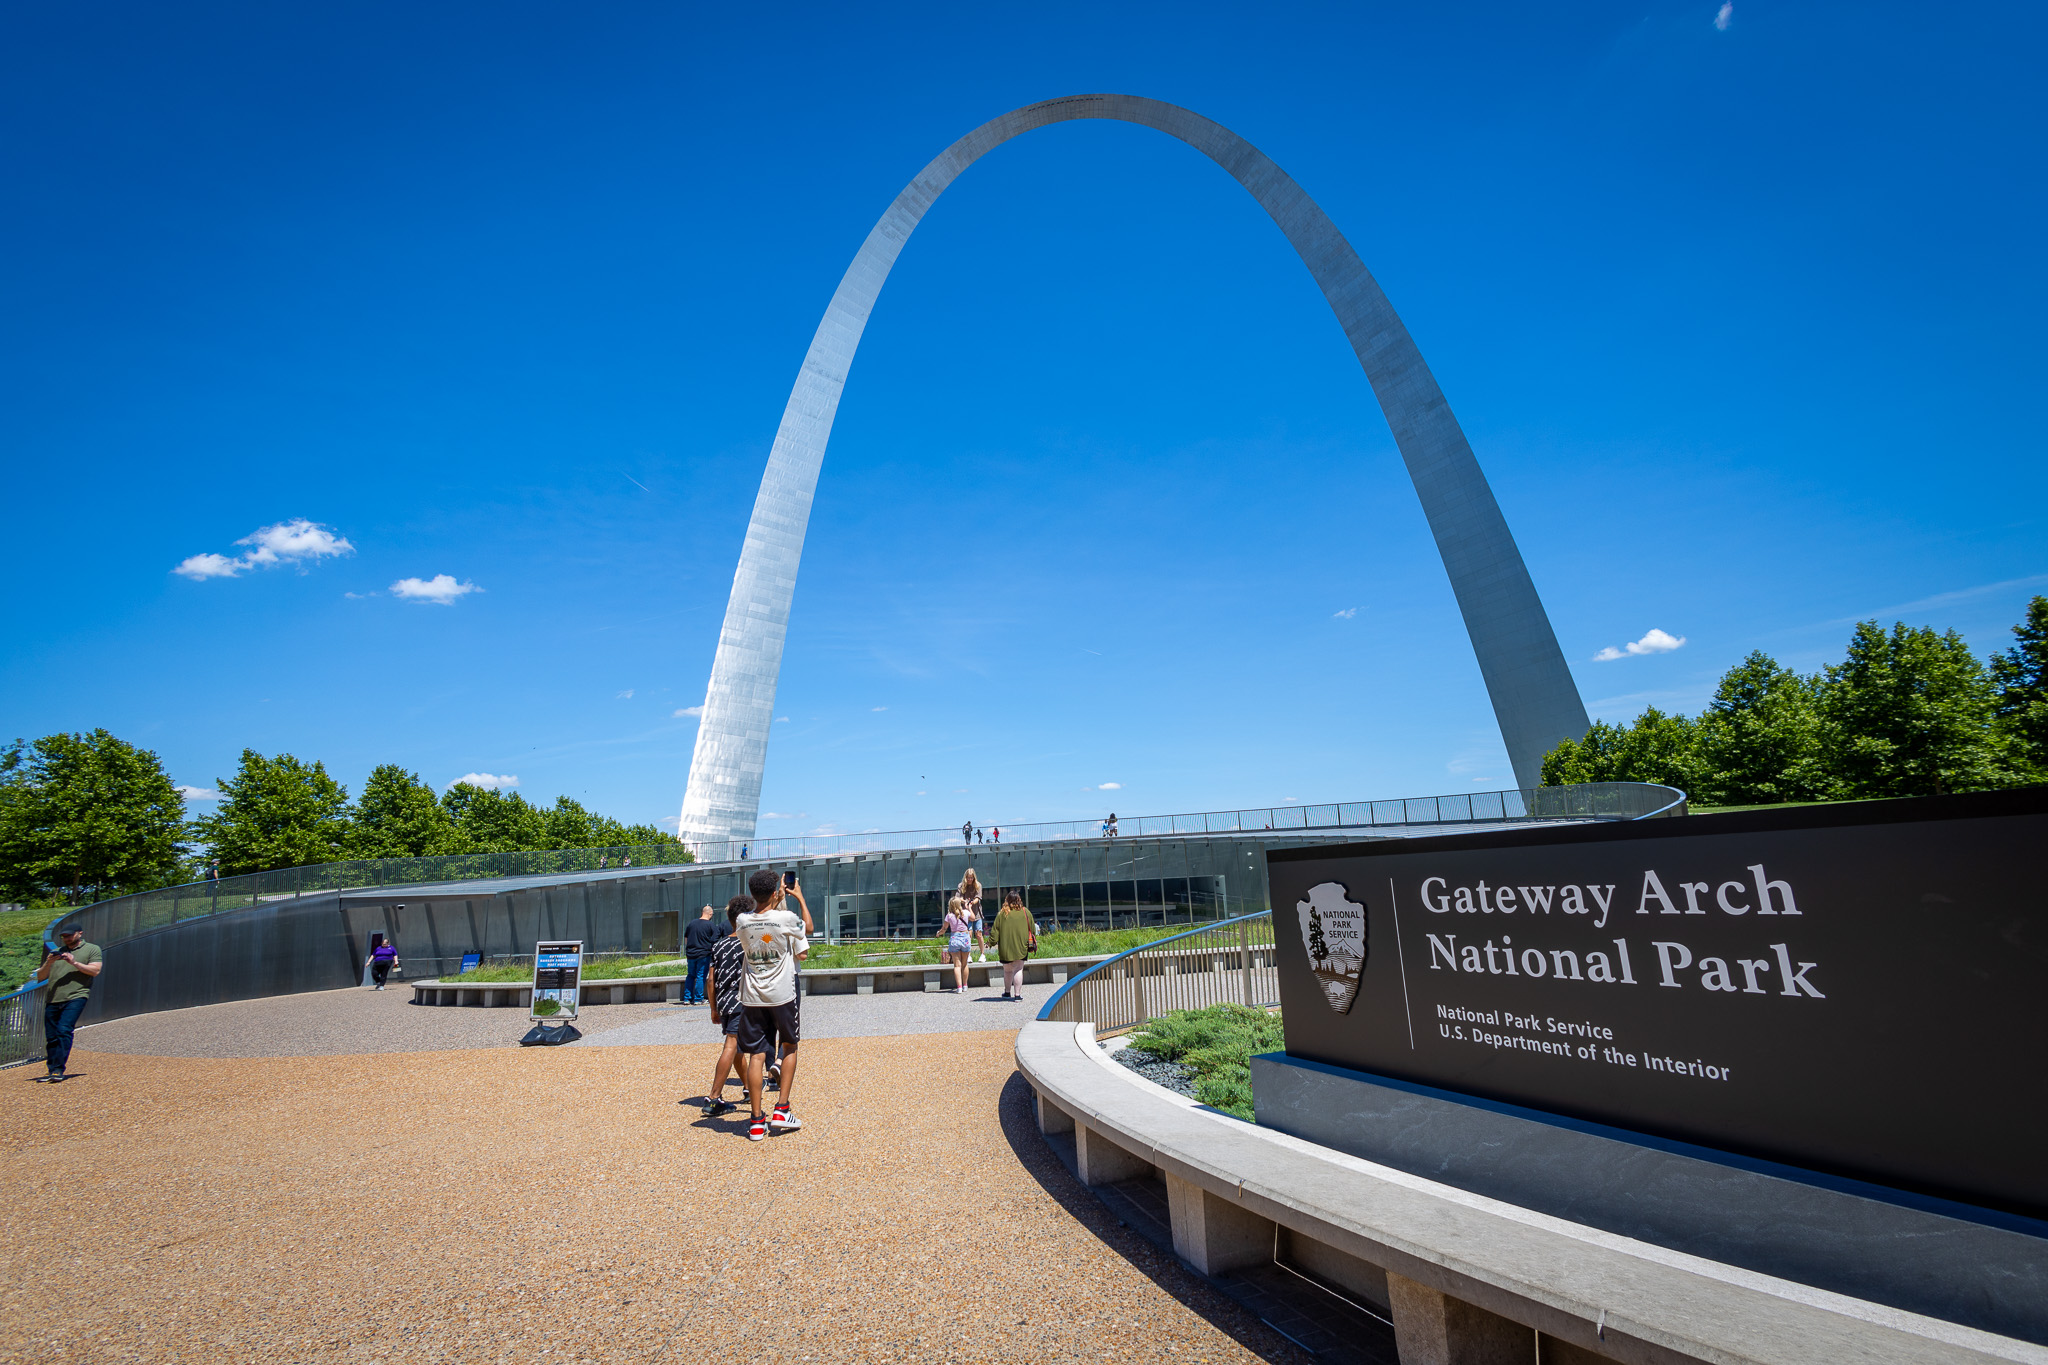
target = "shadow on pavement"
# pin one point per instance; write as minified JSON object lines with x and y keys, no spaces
{"x":1018,"y":1113}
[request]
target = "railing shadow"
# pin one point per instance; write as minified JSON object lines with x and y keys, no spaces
{"x":1017,"y":1109}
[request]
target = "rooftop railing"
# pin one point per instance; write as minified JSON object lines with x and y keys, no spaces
{"x":1584,"y":801}
{"x":122,"y":917}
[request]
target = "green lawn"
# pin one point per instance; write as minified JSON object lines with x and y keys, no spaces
{"x":21,"y":944}
{"x":1769,"y":805}
{"x":1218,"y":1042}
{"x":843,"y":956}
{"x":912,"y":952}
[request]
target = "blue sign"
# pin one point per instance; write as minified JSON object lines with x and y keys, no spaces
{"x":471,"y":961}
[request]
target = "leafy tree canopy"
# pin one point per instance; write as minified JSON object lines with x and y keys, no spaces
{"x":2021,"y":676}
{"x":277,"y":812}
{"x":399,"y":816}
{"x":86,"y":814}
{"x":1908,"y":712}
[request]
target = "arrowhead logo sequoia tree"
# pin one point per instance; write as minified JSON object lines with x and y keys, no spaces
{"x":1333,"y":928}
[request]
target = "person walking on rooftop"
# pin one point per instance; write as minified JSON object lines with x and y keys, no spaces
{"x":71,"y":966}
{"x":967,"y":832}
{"x":728,"y":963}
{"x":700,"y":935}
{"x":1016,"y":935}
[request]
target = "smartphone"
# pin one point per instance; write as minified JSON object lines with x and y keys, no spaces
{"x":789,"y":881}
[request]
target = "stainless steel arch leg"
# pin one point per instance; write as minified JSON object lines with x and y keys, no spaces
{"x":1533,"y":695}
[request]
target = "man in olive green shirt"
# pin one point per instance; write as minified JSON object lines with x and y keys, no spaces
{"x":70,"y":968}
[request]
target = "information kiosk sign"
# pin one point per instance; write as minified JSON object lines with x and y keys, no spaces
{"x":557,"y":980}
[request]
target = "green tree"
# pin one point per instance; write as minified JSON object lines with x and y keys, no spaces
{"x":1759,"y":740}
{"x":569,"y":825}
{"x":398,"y":816}
{"x":86,"y":813}
{"x":1910,"y":713}
{"x":2020,"y":675}
{"x":494,"y":822}
{"x":277,"y":812}
{"x":1656,"y":748}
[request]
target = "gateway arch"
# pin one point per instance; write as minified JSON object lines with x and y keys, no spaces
{"x":1534,"y":698}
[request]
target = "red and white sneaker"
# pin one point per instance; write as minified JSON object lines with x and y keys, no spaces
{"x":758,"y":1129}
{"x":782,"y":1121}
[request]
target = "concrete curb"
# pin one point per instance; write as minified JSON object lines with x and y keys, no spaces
{"x":1462,"y":1274}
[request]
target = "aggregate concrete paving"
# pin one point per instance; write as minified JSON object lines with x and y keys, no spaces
{"x":355,"y":1020}
{"x":490,"y":1204}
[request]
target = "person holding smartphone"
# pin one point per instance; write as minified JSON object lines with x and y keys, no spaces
{"x":70,"y":965}
{"x":775,"y":942}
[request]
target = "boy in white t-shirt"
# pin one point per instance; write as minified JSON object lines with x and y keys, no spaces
{"x":774,"y":942}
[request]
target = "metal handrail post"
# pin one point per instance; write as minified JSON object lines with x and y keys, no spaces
{"x":1244,"y":947}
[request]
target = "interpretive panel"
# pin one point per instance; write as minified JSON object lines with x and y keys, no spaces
{"x":1856,"y":989}
{"x":557,"y":980}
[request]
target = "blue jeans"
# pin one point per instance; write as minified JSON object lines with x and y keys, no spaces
{"x":693,"y":988}
{"x":59,"y":1022}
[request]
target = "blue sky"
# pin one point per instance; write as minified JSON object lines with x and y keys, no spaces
{"x":1740,"y":316}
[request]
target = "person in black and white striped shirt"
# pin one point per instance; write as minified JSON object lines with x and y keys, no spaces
{"x":728,"y":965}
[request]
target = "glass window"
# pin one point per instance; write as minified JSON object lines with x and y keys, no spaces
{"x":659,"y":933}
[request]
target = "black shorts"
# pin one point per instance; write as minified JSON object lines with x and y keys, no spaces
{"x":762,"y":1025}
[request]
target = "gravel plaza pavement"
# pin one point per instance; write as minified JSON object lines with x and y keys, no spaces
{"x":360,"y":1021}
{"x":481,"y":1202}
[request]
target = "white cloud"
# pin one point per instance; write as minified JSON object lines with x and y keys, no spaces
{"x":1346,"y":614}
{"x":626,"y":695}
{"x":1655,"y":642}
{"x":297,"y":541}
{"x":487,"y":781}
{"x":290,"y":542}
{"x":688,"y":711}
{"x":782,"y":720}
{"x":441,"y":589}
{"x":878,"y":708}
{"x":199,"y":793}
{"x":1110,"y":787}
{"x":1724,"y":16}
{"x":785,"y":815}
{"x":205,"y":566}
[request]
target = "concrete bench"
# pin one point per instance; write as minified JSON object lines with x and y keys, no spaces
{"x":1466,"y":1280}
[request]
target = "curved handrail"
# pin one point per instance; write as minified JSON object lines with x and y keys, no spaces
{"x":1045,"y":1013}
{"x":1672,"y":807}
{"x":21,"y":1032}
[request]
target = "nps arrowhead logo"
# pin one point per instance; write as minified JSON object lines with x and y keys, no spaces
{"x":1333,"y":930}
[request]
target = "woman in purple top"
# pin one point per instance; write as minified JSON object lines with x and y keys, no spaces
{"x":383,"y":958}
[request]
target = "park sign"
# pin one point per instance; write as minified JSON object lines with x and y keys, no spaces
{"x":557,"y":980}
{"x":1855,"y":989}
